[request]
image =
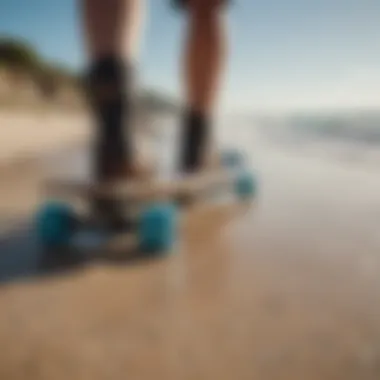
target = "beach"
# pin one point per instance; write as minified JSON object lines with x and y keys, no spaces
{"x":286,"y":287}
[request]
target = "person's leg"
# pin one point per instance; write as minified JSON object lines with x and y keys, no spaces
{"x":204,"y":62}
{"x":111,"y":28}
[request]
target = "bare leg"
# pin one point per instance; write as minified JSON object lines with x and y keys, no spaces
{"x":204,"y":62}
{"x":111,"y":35}
{"x":205,"y":54}
{"x":112,"y":27}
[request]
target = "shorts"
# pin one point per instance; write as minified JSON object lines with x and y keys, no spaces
{"x":181,"y":4}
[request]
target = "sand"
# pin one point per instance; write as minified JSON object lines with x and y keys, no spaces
{"x":285,"y":288}
{"x":23,"y":135}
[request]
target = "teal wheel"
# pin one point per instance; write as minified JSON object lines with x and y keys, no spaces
{"x":157,"y":227}
{"x":233,"y":159}
{"x":55,"y":224}
{"x":246,"y":186}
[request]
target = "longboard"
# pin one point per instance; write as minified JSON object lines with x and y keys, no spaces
{"x":156,"y":220}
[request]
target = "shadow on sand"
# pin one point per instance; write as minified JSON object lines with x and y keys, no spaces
{"x":22,"y":257}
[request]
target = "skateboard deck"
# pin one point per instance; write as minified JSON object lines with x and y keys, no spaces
{"x":145,"y":190}
{"x":156,"y":217}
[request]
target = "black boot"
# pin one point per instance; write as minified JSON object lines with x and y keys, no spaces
{"x":195,"y":138}
{"x":193,"y":145}
{"x":108,"y":86}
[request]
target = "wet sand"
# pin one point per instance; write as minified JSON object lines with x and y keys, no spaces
{"x":286,"y":288}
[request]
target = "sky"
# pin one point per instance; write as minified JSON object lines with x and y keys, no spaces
{"x":283,"y":54}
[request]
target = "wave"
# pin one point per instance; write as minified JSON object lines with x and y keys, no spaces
{"x":360,"y":129}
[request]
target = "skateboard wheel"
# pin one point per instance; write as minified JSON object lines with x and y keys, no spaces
{"x":157,"y":227}
{"x":233,"y":159}
{"x":55,"y":224}
{"x":246,"y":186}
